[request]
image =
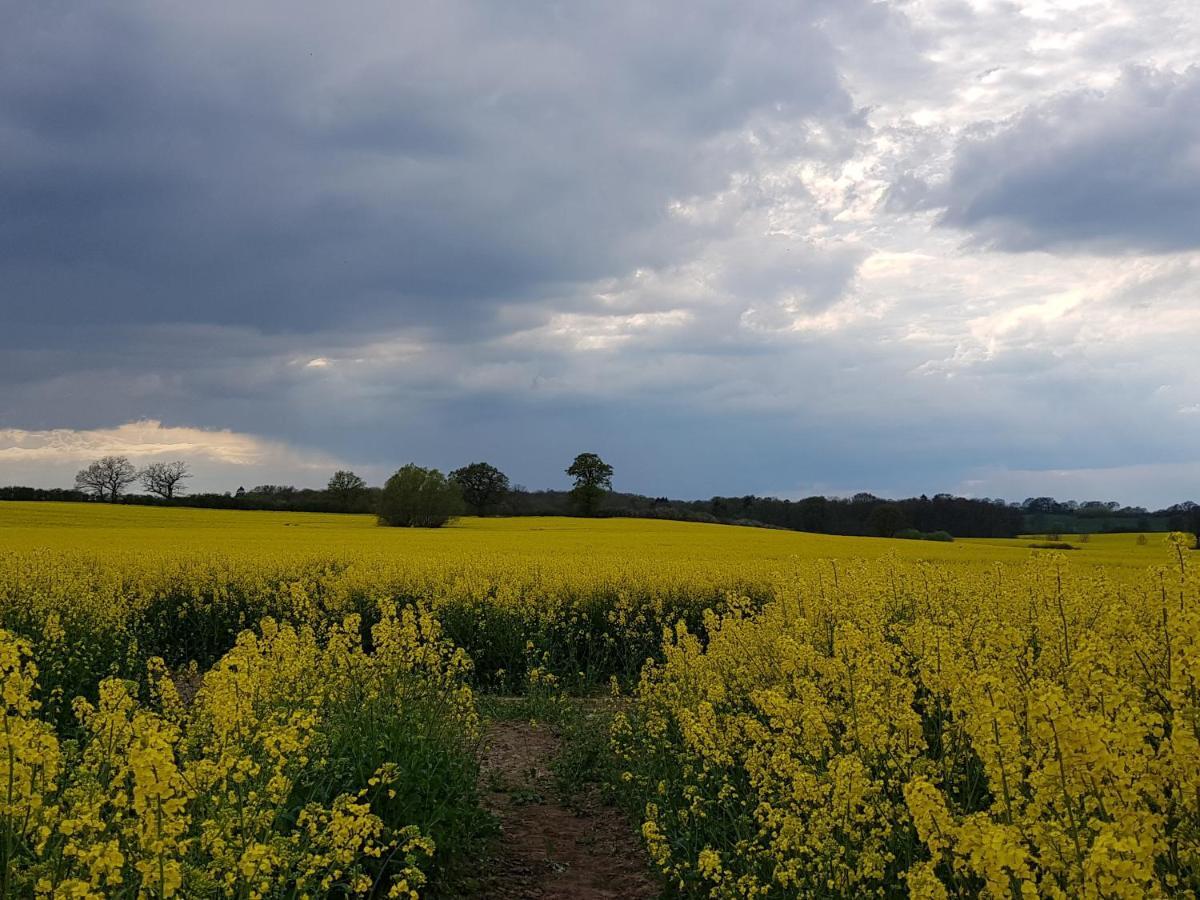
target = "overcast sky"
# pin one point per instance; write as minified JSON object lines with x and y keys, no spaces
{"x":814,"y":246}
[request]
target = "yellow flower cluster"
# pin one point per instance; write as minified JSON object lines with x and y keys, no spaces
{"x":223,"y":794}
{"x":973,"y":731}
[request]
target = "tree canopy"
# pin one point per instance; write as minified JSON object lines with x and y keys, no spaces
{"x":593,"y":477}
{"x":482,"y":485}
{"x":347,"y":490}
{"x":418,"y":498}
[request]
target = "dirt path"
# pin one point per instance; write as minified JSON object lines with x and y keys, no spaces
{"x":549,"y":850}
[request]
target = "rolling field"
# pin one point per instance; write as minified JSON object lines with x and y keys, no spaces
{"x":212,"y":703}
{"x":141,"y":530}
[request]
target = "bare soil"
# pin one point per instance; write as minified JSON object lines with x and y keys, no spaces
{"x":551,"y":848}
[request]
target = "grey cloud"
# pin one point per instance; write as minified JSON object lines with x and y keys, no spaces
{"x":1113,"y":171}
{"x":520,"y":229}
{"x":414,"y":164}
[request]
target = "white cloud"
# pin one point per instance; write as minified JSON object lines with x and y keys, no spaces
{"x":574,"y":331}
{"x":51,"y":456}
{"x":151,"y":439}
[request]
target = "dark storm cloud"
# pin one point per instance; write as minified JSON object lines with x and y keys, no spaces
{"x":1115,"y":171}
{"x":402,"y":165}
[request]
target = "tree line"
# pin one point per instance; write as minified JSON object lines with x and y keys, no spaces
{"x":423,"y":497}
{"x":413,"y":496}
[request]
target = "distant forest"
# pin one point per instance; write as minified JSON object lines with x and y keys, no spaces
{"x":937,"y":517}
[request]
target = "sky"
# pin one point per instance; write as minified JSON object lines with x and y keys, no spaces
{"x":782,"y":248}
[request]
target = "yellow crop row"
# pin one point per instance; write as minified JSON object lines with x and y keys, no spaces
{"x":259,"y":785}
{"x":881,"y":728}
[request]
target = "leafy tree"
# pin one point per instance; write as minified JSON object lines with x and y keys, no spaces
{"x":593,"y":476}
{"x":481,"y":484}
{"x":420,"y":498}
{"x":347,"y":490}
{"x":886,"y":519}
{"x":107,"y":477}
{"x":165,"y":478}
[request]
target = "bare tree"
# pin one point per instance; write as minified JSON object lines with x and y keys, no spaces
{"x":165,"y":478}
{"x":107,"y":477}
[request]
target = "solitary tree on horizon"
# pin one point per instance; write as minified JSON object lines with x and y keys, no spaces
{"x":593,"y":477}
{"x":346,"y":489}
{"x":107,"y":477}
{"x":482,"y":485}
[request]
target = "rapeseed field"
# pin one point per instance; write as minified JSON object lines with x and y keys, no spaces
{"x":142,"y":529}
{"x":207,"y":703}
